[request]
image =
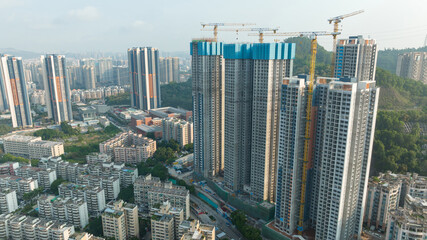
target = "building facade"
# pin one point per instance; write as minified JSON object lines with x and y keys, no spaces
{"x":8,"y":200}
{"x":356,"y":57}
{"x":208,"y":106}
{"x":57,"y":87}
{"x":177,"y":129}
{"x":412,"y":65}
{"x":169,"y":70}
{"x":13,"y":90}
{"x":144,"y":74}
{"x":120,"y":220}
{"x":32,"y":147}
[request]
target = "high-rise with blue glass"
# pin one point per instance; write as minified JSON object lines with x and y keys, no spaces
{"x":13,"y":91}
{"x":57,"y":87}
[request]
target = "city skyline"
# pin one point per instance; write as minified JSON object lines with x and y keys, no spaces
{"x":95,"y":26}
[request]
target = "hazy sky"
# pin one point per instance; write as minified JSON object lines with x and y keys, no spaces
{"x":107,"y":25}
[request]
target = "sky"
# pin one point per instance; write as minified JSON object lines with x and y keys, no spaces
{"x":59,"y":26}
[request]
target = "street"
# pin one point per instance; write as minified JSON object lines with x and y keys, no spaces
{"x":221,"y":223}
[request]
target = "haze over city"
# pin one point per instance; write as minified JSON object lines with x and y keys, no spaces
{"x":113,"y":26}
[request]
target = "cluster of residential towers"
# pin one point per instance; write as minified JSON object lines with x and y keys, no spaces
{"x":250,"y":118}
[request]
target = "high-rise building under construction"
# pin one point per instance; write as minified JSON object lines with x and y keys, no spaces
{"x":356,"y":57}
{"x":343,"y":123}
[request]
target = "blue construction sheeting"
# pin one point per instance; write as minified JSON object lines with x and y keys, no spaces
{"x":208,"y":48}
{"x":260,"y":51}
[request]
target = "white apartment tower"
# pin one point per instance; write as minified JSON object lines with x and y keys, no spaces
{"x":356,"y":57}
{"x":208,"y":106}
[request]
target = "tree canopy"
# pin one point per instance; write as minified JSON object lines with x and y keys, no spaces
{"x":177,"y":95}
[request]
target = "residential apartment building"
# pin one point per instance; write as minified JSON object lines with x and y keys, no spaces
{"x":169,"y":70}
{"x":13,"y":91}
{"x":25,"y":227}
{"x":95,"y":158}
{"x":253,"y":76}
{"x":120,"y":220}
{"x":162,"y":227}
{"x":111,"y":185}
{"x":150,"y":191}
{"x":19,"y":184}
{"x":383,"y":197}
{"x":8,"y":200}
{"x":339,"y":154}
{"x":189,"y":229}
{"x":57,"y":87}
{"x":177,"y":129}
{"x":31,"y":147}
{"x":145,"y":83}
{"x":129,"y":147}
{"x":412,"y":65}
{"x":44,"y":177}
{"x":408,"y":222}
{"x":356,"y":57}
{"x":88,"y":74}
{"x":207,"y":64}
{"x":9,"y":168}
{"x":69,"y":210}
{"x":93,"y":196}
{"x":158,"y":226}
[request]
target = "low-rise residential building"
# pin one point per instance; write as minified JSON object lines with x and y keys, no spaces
{"x":120,"y":220}
{"x":382,"y":198}
{"x":93,"y":196}
{"x":31,"y":147}
{"x":190,"y":230}
{"x":129,"y":147}
{"x":8,"y":200}
{"x":21,"y":185}
{"x":408,"y":222}
{"x":9,"y":168}
{"x":150,"y":191}
{"x":177,"y":129}
{"x":30,"y":228}
{"x":162,"y":227}
{"x":70,"y":210}
{"x":98,"y":158}
{"x":45,"y":177}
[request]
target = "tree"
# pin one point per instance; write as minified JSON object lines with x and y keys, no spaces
{"x":127,"y":194}
{"x":95,"y":226}
{"x":5,"y":129}
{"x":10,"y":158}
{"x":32,"y":195}
{"x":55,"y":184}
{"x":160,"y":171}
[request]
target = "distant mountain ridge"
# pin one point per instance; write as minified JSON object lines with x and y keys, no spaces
{"x":20,"y":53}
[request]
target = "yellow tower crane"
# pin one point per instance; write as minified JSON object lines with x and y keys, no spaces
{"x":260,"y":31}
{"x":216,"y":25}
{"x":308,"y":130}
{"x":336,"y":20}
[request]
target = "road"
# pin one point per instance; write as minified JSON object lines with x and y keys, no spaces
{"x":220,"y":222}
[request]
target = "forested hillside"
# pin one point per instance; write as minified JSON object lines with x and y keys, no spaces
{"x":177,"y":95}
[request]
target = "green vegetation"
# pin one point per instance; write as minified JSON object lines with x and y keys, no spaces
{"x":127,"y":194}
{"x":302,"y":57}
{"x":49,"y":134}
{"x":32,"y":195}
{"x":180,"y":182}
{"x":10,"y":158}
{"x":55,"y":184}
{"x":238,"y":218}
{"x":396,"y":150}
{"x":189,"y":147}
{"x":95,"y":226}
{"x":4,"y":128}
{"x":120,"y":99}
{"x":399,"y":93}
{"x":387,"y":59}
{"x":177,"y":95}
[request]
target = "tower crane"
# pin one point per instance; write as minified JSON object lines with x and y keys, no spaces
{"x":336,"y":20}
{"x":308,"y":131}
{"x":216,"y":25}
{"x":260,"y":31}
